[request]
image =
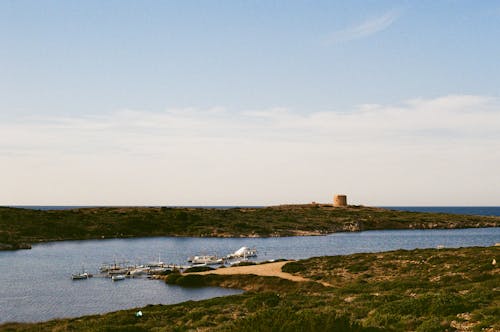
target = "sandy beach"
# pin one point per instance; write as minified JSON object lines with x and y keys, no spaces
{"x":269,"y":270}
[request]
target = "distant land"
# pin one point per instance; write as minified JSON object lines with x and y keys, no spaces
{"x":21,"y":227}
{"x":472,"y":210}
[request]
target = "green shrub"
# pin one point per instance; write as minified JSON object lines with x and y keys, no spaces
{"x":358,"y":267}
{"x":431,"y":325}
{"x":293,"y":267}
{"x":285,"y":319}
{"x":199,"y":269}
{"x":172,"y":278}
{"x":267,"y":299}
{"x":125,"y":328}
{"x":191,"y":280}
{"x":248,"y":263}
{"x":382,"y":319}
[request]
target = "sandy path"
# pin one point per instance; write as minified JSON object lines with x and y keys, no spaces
{"x":269,"y":270}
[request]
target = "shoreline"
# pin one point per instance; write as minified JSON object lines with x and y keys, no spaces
{"x":29,"y":246}
{"x":351,"y":282}
{"x":20,"y":228}
{"x":268,"y":269}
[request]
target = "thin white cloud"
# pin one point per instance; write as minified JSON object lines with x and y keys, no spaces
{"x":206,"y":156}
{"x":364,"y":29}
{"x":460,"y":116}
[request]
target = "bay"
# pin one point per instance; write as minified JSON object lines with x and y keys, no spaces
{"x":35,"y":285}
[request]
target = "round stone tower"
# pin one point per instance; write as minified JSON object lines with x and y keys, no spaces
{"x":340,"y":200}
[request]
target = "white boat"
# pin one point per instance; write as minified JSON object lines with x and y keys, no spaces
{"x":156,"y":264}
{"x":243,"y":252}
{"x":118,"y":277}
{"x":206,"y":259}
{"x":80,"y":276}
{"x":139,"y":271}
{"x":238,"y":261}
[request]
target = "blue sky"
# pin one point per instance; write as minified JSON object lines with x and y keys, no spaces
{"x":249,"y":102}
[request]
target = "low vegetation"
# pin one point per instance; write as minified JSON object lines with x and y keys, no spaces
{"x":21,"y":227}
{"x":417,"y":290}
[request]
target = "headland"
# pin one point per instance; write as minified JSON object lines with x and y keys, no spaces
{"x":19,"y":228}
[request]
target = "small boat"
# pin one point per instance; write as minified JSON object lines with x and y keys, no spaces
{"x":206,"y":259}
{"x":139,"y":271}
{"x":243,"y":252}
{"x":156,"y":264}
{"x":238,"y":261}
{"x":118,"y":277}
{"x":114,"y":268}
{"x":80,"y":276}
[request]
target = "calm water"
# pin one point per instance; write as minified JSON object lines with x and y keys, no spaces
{"x":35,"y":284}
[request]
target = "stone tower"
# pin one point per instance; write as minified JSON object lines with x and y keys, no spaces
{"x":340,"y":200}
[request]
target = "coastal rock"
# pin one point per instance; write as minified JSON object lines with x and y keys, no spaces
{"x":16,"y":246}
{"x":6,"y":246}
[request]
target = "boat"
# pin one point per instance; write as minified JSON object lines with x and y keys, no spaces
{"x":238,"y":261}
{"x":158,"y":264}
{"x":243,"y":252}
{"x":80,"y":276}
{"x":138,"y":271}
{"x":205,"y":259}
{"x":118,"y":277}
{"x":112,"y":268}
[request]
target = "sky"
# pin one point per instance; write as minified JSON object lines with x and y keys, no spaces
{"x":249,"y":102}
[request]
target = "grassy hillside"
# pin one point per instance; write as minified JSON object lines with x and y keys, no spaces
{"x":22,"y":226}
{"x":419,"y":290}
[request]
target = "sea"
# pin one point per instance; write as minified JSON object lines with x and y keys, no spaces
{"x":36,"y":284}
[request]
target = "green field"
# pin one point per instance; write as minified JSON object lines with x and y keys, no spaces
{"x":418,"y":290}
{"x":22,"y":227}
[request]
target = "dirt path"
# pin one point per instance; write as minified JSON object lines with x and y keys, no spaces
{"x":269,"y":270}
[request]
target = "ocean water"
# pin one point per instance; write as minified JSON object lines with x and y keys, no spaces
{"x":35,"y":285}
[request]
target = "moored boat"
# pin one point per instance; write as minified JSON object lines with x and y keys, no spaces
{"x":118,"y":277}
{"x":243,"y":252}
{"x":205,"y":259}
{"x":158,"y":264}
{"x":138,"y":271}
{"x":80,"y":276}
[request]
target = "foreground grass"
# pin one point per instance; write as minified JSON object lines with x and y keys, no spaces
{"x":418,"y":290}
{"x":21,"y":227}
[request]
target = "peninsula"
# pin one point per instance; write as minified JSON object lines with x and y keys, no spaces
{"x":19,"y":228}
{"x":423,"y":290}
